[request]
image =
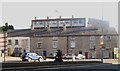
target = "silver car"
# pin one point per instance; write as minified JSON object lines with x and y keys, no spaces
{"x":69,"y":56}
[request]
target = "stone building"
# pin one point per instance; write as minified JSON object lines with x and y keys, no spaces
{"x":71,"y":35}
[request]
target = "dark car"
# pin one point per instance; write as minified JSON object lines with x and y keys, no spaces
{"x":29,"y":56}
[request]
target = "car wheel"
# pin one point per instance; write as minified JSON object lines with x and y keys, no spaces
{"x":39,"y":59}
{"x":29,"y":59}
{"x":23,"y":59}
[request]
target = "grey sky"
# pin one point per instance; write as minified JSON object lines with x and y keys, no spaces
{"x":20,"y":14}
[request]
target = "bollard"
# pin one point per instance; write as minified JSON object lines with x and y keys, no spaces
{"x":73,"y":58}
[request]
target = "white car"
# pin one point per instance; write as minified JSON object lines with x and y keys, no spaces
{"x":68,"y":56}
{"x":80,"y":56}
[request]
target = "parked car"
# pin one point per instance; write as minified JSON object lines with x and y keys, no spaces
{"x":69,"y":56}
{"x":28,"y":56}
{"x":80,"y":56}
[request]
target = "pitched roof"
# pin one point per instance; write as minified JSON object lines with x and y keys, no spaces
{"x":44,"y":32}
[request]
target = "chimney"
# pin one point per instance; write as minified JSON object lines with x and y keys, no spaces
{"x":48,"y":28}
{"x":72,"y":20}
{"x":47,"y":17}
{"x":72,"y":16}
{"x":35,"y":18}
{"x":32,"y":27}
{"x":64,"y":27}
{"x":60,"y":17}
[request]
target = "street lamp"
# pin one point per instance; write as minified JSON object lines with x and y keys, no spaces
{"x":5,"y":29}
{"x":102,"y":46}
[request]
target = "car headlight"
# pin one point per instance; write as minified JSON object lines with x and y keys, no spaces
{"x":26,"y":57}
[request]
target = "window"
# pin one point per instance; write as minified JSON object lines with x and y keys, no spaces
{"x":67,"y":21}
{"x":39,"y":45}
{"x":55,"y":44}
{"x":73,"y":44}
{"x":61,"y":22}
{"x":108,"y":37}
{"x":72,"y":38}
{"x":108,"y":45}
{"x":55,"y":38}
{"x":92,"y":37}
{"x":81,"y":21}
{"x":41,"y":23}
{"x":91,"y":45}
{"x":9,"y":42}
{"x":16,"y":42}
{"x":75,"y":21}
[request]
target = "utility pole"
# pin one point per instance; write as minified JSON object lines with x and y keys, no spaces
{"x":67,"y":45}
{"x":5,"y":29}
{"x":5,"y":40}
{"x":102,"y":38}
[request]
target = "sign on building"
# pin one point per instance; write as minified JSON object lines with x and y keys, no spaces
{"x":115,"y":50}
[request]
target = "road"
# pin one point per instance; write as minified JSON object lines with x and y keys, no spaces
{"x":66,"y":67}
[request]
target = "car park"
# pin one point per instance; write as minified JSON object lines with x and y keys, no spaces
{"x":29,"y":56}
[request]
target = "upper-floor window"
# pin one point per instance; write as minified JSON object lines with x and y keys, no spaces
{"x":39,"y":45}
{"x":72,"y":44}
{"x":55,"y":38}
{"x":9,"y":42}
{"x":16,"y":42}
{"x":92,"y":37}
{"x":72,"y":38}
{"x":55,"y":44}
{"x":108,"y":44}
{"x":108,"y":38}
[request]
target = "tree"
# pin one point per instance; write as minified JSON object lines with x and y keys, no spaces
{"x":58,"y":57}
{"x":6,"y":27}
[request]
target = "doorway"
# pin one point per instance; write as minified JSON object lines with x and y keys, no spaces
{"x":86,"y":55}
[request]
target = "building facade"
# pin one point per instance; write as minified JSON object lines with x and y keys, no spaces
{"x":16,"y":45}
{"x":71,"y":35}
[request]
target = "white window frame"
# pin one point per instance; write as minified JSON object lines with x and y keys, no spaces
{"x":72,"y":43}
{"x":55,"y":38}
{"x":92,"y":37}
{"x":55,"y":44}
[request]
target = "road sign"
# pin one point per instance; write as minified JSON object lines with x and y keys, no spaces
{"x":115,"y":50}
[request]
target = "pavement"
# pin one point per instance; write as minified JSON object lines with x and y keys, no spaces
{"x":18,"y":59}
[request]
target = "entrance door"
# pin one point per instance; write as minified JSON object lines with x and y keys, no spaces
{"x":86,"y":55}
{"x":45,"y":53}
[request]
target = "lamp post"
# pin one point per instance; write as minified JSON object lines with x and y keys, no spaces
{"x":5,"y":40}
{"x":102,"y":48}
{"x":5,"y":29}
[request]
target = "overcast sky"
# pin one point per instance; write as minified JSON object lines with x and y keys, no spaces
{"x":20,"y":14}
